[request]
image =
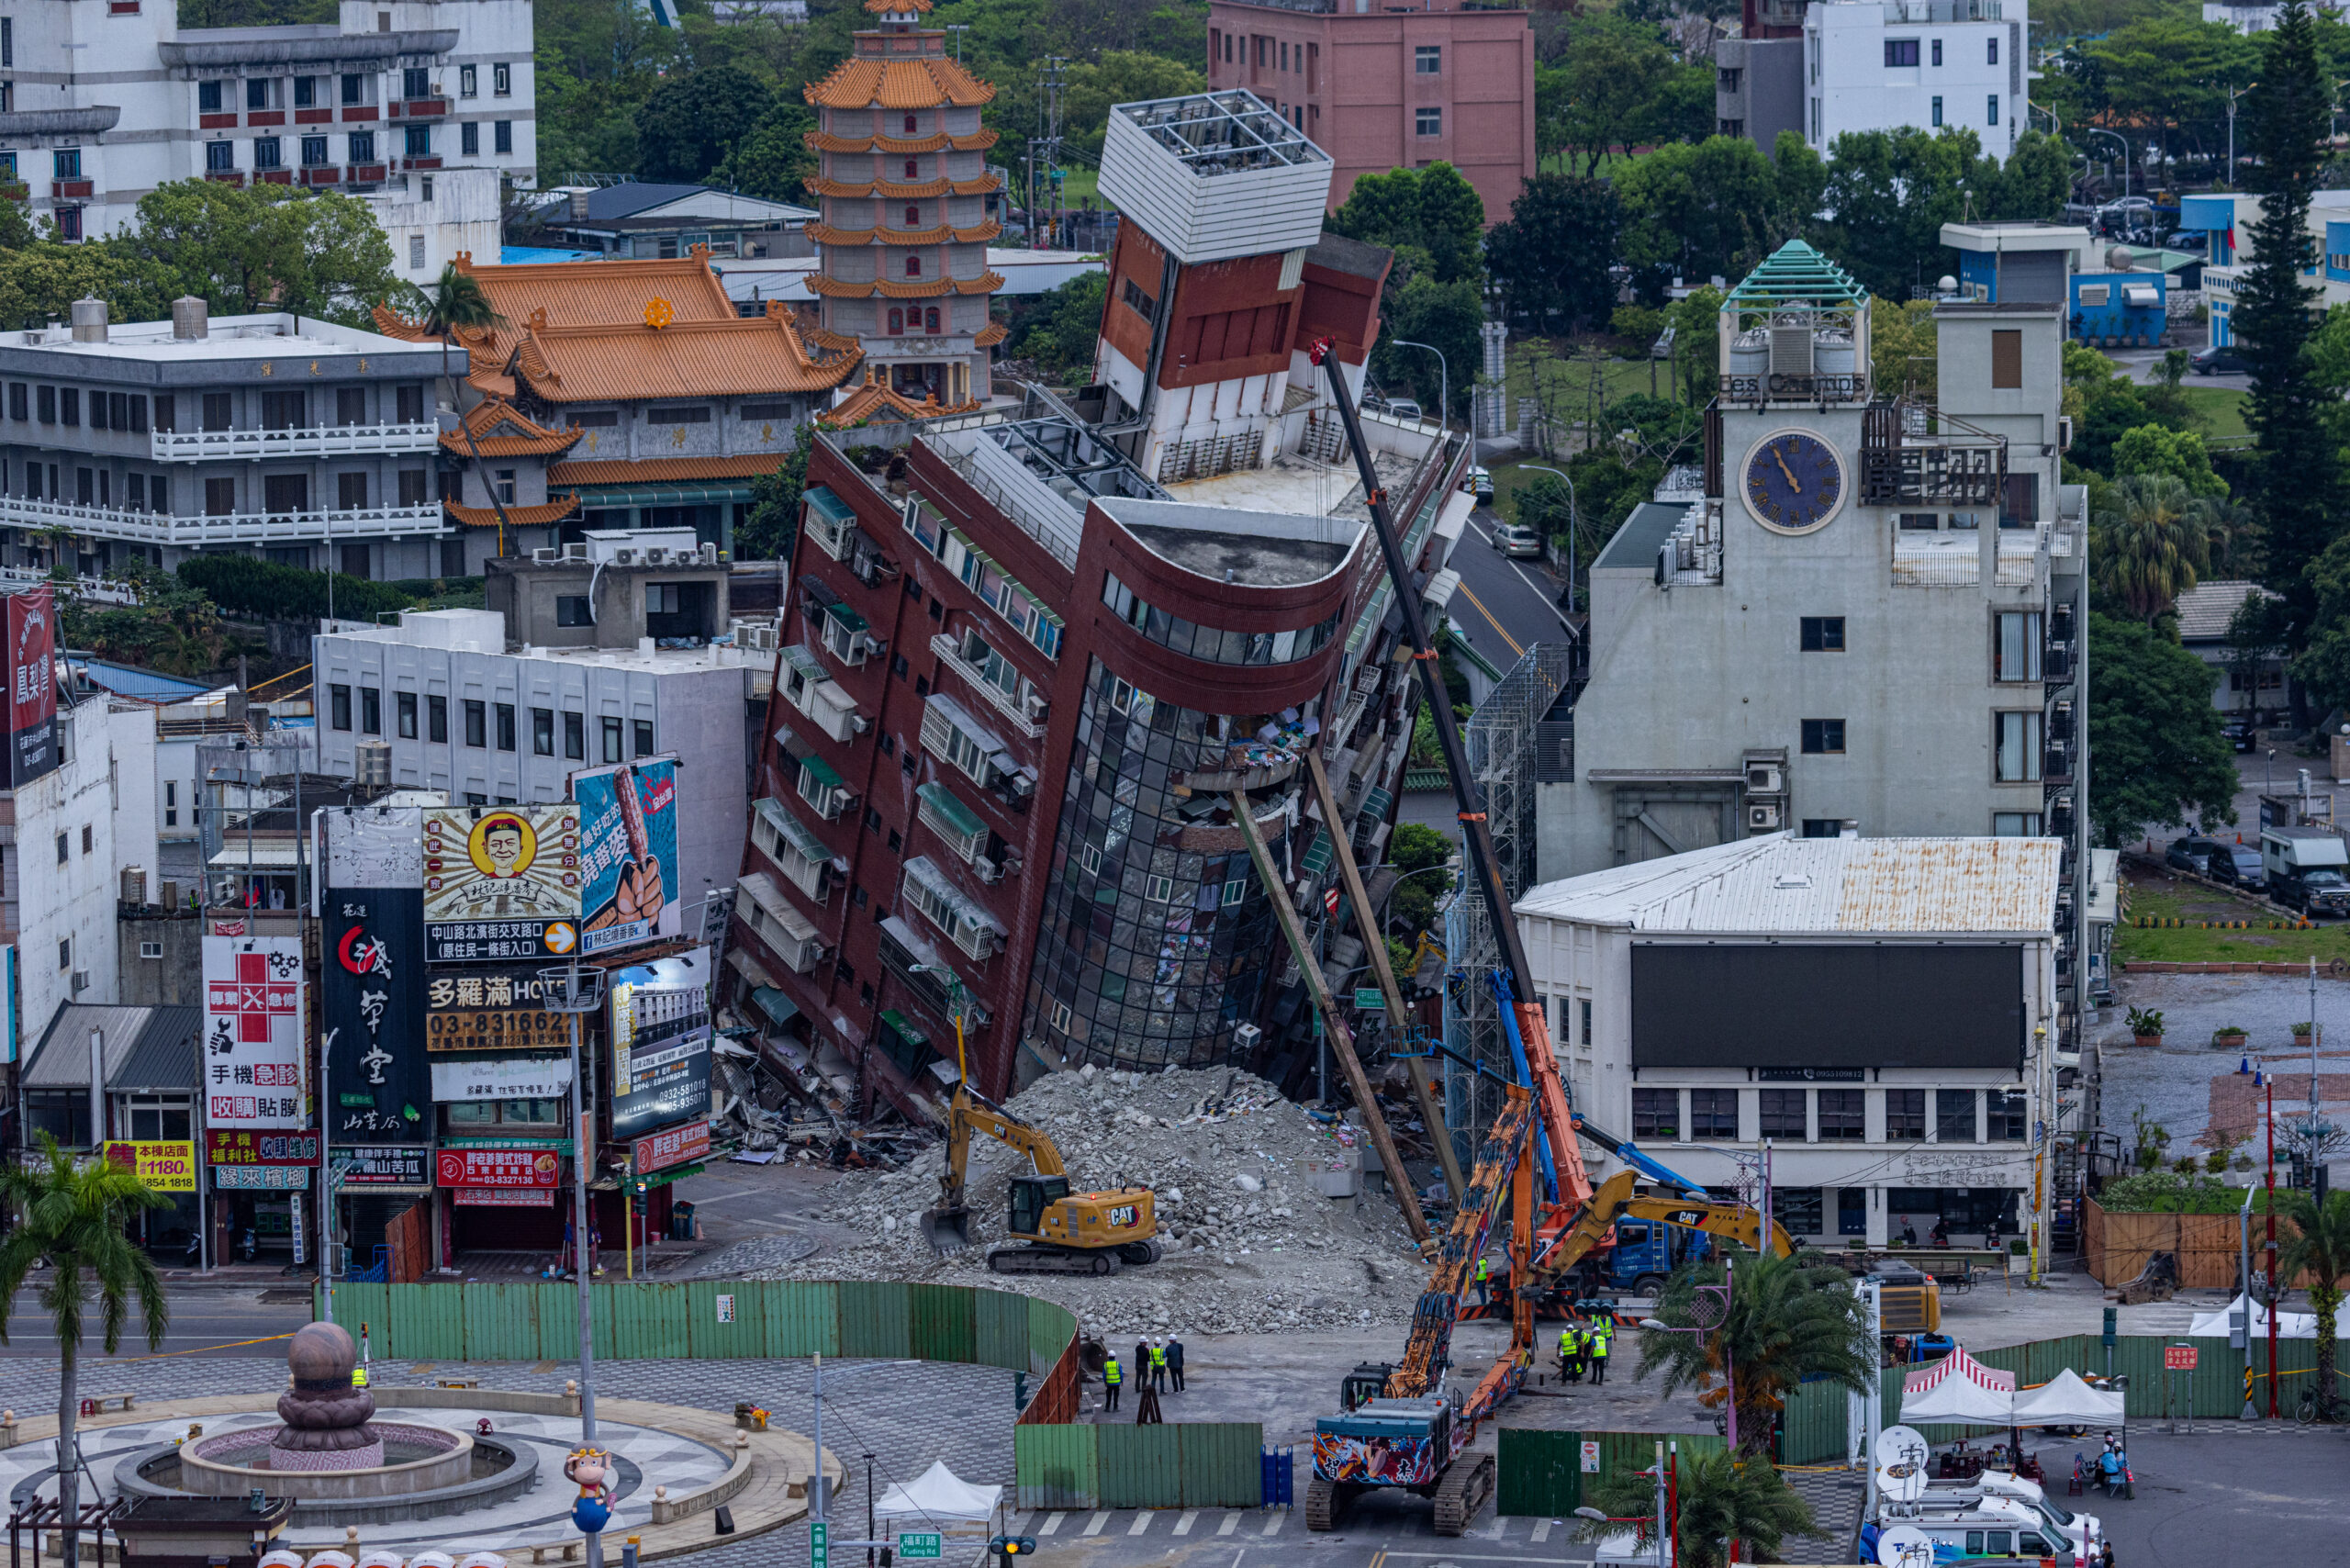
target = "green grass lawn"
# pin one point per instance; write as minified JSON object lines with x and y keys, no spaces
{"x":2222,"y":411}
{"x":1567,"y":380}
{"x":2191,"y":944}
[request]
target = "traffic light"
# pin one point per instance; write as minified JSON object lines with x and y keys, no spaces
{"x":1008,"y":1549}
{"x":2111,"y":1317}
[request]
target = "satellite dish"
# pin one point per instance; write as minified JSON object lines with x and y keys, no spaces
{"x":1902,"y":1445}
{"x":1905,"y":1546}
{"x":1946,"y":283}
{"x":1902,"y":1482}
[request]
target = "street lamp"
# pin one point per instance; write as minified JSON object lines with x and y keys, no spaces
{"x":2234,"y":94}
{"x":1574,"y":505}
{"x":1444,"y":378}
{"x":574,"y":990}
{"x":1708,"y":1311}
{"x":2117,"y":141}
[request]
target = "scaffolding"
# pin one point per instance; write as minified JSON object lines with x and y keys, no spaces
{"x":1521,"y":735}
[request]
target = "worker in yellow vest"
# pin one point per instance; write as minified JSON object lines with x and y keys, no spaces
{"x":1602,"y":1332}
{"x":1158,"y":1365}
{"x":1111,"y":1378}
{"x":1484,"y":1297}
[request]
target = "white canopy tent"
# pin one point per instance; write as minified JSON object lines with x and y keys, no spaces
{"x":2066,"y":1401}
{"x":2290,"y":1325}
{"x":938,"y":1497}
{"x":1958,"y":1388}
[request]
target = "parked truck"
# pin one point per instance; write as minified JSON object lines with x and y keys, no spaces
{"x":2308,"y":869}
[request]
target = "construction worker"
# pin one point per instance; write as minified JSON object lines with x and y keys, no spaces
{"x":1158,"y":1365}
{"x":1175,"y":1361}
{"x":1566,"y":1350}
{"x":1573,"y":1337}
{"x":1602,"y":1332}
{"x":1484,"y":1297}
{"x":1111,"y":1378}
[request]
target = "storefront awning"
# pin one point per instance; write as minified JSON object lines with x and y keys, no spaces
{"x":780,"y":1008}
{"x":261,"y":855}
{"x":662,"y":1178}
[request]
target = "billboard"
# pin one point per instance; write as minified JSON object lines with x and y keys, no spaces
{"x":1796,"y":1005}
{"x":628,"y":829}
{"x":660,"y":1043}
{"x":253,"y":1032}
{"x":372,"y":1016}
{"x":502,"y":882}
{"x":500,"y":1168}
{"x":491,"y":1009}
{"x":32,"y":685}
{"x":500,"y":1078}
{"x":164,"y":1165}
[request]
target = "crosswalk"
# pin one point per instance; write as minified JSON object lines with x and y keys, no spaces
{"x":1079,"y":1524}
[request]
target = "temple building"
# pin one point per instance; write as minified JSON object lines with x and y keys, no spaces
{"x":909,"y":206}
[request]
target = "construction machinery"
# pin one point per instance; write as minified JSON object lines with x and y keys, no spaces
{"x":1063,"y":1232}
{"x":1624,"y":1239}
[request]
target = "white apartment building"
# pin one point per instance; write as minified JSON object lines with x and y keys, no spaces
{"x":99,"y":104}
{"x":1874,"y":1008}
{"x":1883,"y":65}
{"x":499,"y":725}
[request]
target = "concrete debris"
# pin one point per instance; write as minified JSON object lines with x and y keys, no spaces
{"x":1252,"y":1247}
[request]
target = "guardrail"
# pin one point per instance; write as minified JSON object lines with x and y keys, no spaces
{"x":318,"y":440}
{"x":236,"y":528}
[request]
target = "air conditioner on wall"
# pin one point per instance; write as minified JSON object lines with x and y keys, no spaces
{"x":656,"y":557}
{"x":1766,"y":781}
{"x":1763,"y":819}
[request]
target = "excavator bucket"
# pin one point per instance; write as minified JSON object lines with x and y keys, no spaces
{"x":947,"y":1230}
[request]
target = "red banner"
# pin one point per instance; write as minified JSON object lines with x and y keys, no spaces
{"x":496,"y":1168}
{"x":679,"y":1144}
{"x":32,"y":685}
{"x":243,"y":1146}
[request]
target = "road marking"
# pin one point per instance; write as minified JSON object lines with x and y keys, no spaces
{"x":1549,"y":600}
{"x":1051,"y":1525}
{"x":1231,"y":1522}
{"x":1542,"y":1529}
{"x":1273,"y":1525}
{"x":1093,"y":1525}
{"x":1465,"y":1556}
{"x":1515,"y":646}
{"x":1142,"y":1522}
{"x":1183,"y":1525}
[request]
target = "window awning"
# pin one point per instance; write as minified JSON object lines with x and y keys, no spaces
{"x":593,"y":497}
{"x":821,"y":772}
{"x":958,"y":817}
{"x":1441,"y":588}
{"x":1317,"y":854}
{"x":263,"y":855}
{"x":779,"y":1007}
{"x":767,"y":895}
{"x":739,"y":960}
{"x":822,"y":499}
{"x":845,"y":616}
{"x":794,"y":832}
{"x":803,"y":658}
{"x":926,"y":871}
{"x":1375,"y":802}
{"x":904,"y":1026}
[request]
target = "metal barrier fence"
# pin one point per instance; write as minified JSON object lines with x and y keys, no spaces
{"x":1204,"y":1464}
{"x":1543,"y":1472}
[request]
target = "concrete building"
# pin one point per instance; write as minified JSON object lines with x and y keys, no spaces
{"x":1878,"y":1010}
{"x":1884,"y":65}
{"x":1023,"y":678}
{"x":1870,"y":624}
{"x":148,"y":1070}
{"x":97,"y":108}
{"x":1759,"y":75}
{"x":2225,"y":221}
{"x":301,"y":440}
{"x":498,"y":724}
{"x":2114,"y":296}
{"x":1389,"y":88}
{"x":909,"y":206}
{"x":2247,"y":684}
{"x":650,"y":219}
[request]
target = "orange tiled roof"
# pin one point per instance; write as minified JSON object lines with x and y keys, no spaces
{"x":543,"y":516}
{"x":891,"y":189}
{"x":862,"y":81}
{"x":823,"y":338}
{"x":663,"y":470}
{"x":876,"y":398}
{"x":727,"y":358}
{"x":586,"y":294}
{"x":978,"y":234}
{"x":826,"y":141}
{"x":901,"y":288}
{"x":884,"y":8}
{"x":992,"y":334}
{"x":499,"y":429}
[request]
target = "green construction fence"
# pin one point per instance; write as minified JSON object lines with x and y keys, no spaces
{"x":1204,"y":1464}
{"x":1544,"y":1473}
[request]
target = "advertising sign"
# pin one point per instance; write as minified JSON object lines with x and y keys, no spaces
{"x":32,"y":685}
{"x":628,"y":829}
{"x":166,"y":1165}
{"x":502,"y":1197}
{"x":490,"y":1010}
{"x":381,"y":1166}
{"x":9,"y":1021}
{"x":293,"y":1148}
{"x":253,"y":1032}
{"x":500,"y":1078}
{"x":372,"y":1021}
{"x":2178,"y":1358}
{"x":499,"y":1167}
{"x":260,"y":1178}
{"x":660,"y":1043}
{"x":502,"y":882}
{"x":672,"y":1146}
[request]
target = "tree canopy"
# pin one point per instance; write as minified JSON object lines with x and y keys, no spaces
{"x":2155,"y":735}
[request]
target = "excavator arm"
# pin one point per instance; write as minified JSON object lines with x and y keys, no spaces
{"x":1615,"y":1199}
{"x":969,"y":1111}
{"x":1500,"y":1162}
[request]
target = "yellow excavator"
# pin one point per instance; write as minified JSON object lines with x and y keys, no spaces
{"x":1063,"y":1232}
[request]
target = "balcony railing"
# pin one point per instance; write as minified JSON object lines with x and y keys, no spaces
{"x":324,"y":441}
{"x":419,"y":108}
{"x":322,"y":174}
{"x":367,"y":174}
{"x":63,"y":190}
{"x":239,"y":527}
{"x":950,"y":653}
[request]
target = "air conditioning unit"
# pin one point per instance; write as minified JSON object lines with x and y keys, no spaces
{"x":1766,"y":781}
{"x":1763,"y":819}
{"x":988,"y":871}
{"x":1037,"y":705}
{"x":656,"y":555}
{"x":1011,"y":864}
{"x":1247,"y":1037}
{"x":709,"y":554}
{"x":867,"y":644}
{"x":545,"y":552}
{"x":575,"y":550}
{"x":624,"y":556}
{"x":81,"y":981}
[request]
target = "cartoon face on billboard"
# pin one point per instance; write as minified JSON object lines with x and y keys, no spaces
{"x":501,"y":845}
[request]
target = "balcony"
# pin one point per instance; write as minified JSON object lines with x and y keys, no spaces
{"x":325,"y":441}
{"x":260,"y":118}
{"x":313,"y":117}
{"x":950,"y":653}
{"x":368,"y":173}
{"x":413,"y":164}
{"x":240,"y":528}
{"x":322,"y":174}
{"x":1911,"y":455}
{"x":67,"y":190}
{"x":358,"y":113}
{"x":274,"y":176}
{"x":224,"y":177}
{"x":419,"y":108}
{"x":216,"y":122}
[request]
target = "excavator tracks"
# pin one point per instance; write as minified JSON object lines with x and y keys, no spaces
{"x":1461,"y":1490}
{"x":1052,"y":1260}
{"x":1326,"y":1503}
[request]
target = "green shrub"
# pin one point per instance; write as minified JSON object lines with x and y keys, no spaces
{"x":2170,"y":1193}
{"x":247,"y":584}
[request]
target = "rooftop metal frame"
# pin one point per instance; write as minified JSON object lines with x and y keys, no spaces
{"x":1222,"y":133}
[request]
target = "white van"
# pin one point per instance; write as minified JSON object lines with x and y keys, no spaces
{"x":2084,"y":1532}
{"x":1997,"y":1527}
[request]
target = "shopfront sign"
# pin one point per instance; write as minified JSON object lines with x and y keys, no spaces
{"x":226,"y":1148}
{"x":500,"y":1078}
{"x":502,"y":1197}
{"x":502,"y":882}
{"x":380,"y":1167}
{"x":660,"y":1017}
{"x":253,"y":1032}
{"x":499,"y":1167}
{"x":32,"y":686}
{"x":166,"y":1165}
{"x":672,"y":1146}
{"x":490,"y":1010}
{"x":628,"y":829}
{"x":372,"y":1023}
{"x":261,"y":1178}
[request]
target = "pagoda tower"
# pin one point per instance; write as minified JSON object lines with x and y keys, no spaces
{"x":907,"y":211}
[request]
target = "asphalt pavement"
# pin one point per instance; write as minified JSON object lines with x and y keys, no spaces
{"x":1504,"y":605}
{"x":205,"y":1321}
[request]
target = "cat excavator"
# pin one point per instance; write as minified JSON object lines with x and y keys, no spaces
{"x":1065,"y":1232}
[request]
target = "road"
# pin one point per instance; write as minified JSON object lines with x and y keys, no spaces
{"x":205,"y":1321}
{"x":1503,"y":606}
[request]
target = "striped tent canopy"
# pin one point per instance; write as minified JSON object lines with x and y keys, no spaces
{"x":1958,"y":1388}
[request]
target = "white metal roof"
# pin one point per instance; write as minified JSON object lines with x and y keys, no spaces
{"x":1783,"y":884}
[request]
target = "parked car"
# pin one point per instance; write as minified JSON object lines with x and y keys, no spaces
{"x":1479,"y":483}
{"x":2239,"y":864}
{"x":2219,"y":359}
{"x":2241,"y":733}
{"x":2192,"y":854}
{"x":2186,"y":239}
{"x":1516,"y":539}
{"x":1405,"y":409}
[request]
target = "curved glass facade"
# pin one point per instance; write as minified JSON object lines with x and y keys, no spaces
{"x":1156,"y":939}
{"x":1213,"y":644}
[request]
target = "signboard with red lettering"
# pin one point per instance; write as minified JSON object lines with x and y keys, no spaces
{"x":499,"y":1167}
{"x":2178,"y":1358}
{"x":32,"y":685}
{"x":502,"y":1197}
{"x":673,"y":1145}
{"x":225,"y":1148}
{"x":253,"y":1032}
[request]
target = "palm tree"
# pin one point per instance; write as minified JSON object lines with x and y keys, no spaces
{"x":457,"y":303}
{"x":73,"y":1213}
{"x":2148,"y":543}
{"x":1722,"y":1497}
{"x":2320,"y":1250}
{"x":1787,"y":1321}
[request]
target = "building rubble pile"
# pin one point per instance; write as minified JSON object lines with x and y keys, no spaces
{"x":1251,"y":1245}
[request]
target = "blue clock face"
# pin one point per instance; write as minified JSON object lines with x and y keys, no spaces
{"x":1794,"y":481}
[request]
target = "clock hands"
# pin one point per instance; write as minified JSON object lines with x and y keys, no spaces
{"x":1781,"y":462}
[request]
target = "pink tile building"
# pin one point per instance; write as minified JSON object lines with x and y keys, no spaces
{"x":1382,"y":87}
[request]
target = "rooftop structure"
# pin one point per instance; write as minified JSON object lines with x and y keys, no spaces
{"x":654,"y":220}
{"x":1214,"y":175}
{"x":1796,"y":328}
